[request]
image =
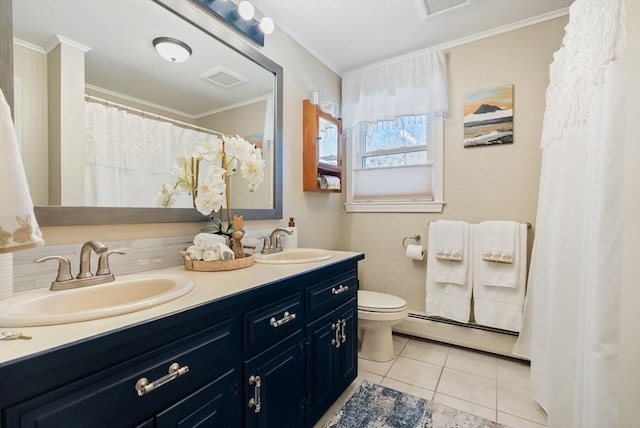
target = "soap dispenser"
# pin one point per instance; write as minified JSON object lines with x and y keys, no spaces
{"x":291,"y":241}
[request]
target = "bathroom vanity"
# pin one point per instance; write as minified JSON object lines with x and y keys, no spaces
{"x":268,"y":346}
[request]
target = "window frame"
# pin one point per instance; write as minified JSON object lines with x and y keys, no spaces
{"x":435,"y":154}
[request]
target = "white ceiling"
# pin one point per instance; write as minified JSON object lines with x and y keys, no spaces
{"x":121,"y":58}
{"x":350,"y":34}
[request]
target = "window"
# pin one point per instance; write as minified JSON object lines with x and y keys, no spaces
{"x":402,"y":142}
{"x":393,"y":120}
{"x":396,"y":166}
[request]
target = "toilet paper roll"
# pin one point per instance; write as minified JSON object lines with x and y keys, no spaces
{"x":415,"y":252}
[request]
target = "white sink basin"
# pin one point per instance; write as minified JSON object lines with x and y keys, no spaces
{"x":45,"y":307}
{"x":294,"y":255}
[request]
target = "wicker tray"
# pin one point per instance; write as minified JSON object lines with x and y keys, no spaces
{"x":217,"y":265}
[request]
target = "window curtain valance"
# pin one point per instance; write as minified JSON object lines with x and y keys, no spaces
{"x":412,"y":86}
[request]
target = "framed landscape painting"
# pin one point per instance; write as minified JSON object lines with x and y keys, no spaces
{"x":488,"y":116}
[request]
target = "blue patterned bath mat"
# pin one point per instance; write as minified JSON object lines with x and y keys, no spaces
{"x":375,"y":406}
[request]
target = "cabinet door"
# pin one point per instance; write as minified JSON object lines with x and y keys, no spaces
{"x":214,"y":405}
{"x":332,"y":355}
{"x":323,"y":361}
{"x":274,"y":386}
{"x":348,"y":315}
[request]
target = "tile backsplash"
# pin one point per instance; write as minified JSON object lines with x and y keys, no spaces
{"x":142,"y":255}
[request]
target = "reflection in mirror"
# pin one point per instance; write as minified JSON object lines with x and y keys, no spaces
{"x":327,"y":142}
{"x":101,"y":117}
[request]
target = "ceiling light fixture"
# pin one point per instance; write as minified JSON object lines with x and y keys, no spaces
{"x":171,"y":49}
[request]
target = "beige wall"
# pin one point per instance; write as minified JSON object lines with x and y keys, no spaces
{"x":6,"y":63}
{"x":481,"y":183}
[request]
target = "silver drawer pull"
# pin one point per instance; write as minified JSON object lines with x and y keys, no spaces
{"x":286,"y":317}
{"x":144,"y":387}
{"x":343,"y":333}
{"x":340,"y":289}
{"x":255,"y":401}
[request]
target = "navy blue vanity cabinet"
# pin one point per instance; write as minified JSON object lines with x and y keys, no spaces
{"x":274,"y":356}
{"x":332,"y":342}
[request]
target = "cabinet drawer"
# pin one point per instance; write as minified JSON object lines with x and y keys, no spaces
{"x":273,"y":322}
{"x":110,"y":398}
{"x":330,"y":294}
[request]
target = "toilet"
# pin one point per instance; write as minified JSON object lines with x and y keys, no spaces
{"x":377,"y":313}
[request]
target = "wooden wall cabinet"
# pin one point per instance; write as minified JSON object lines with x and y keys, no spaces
{"x":322,"y":151}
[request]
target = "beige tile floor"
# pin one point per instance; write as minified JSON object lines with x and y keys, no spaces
{"x":492,"y":387}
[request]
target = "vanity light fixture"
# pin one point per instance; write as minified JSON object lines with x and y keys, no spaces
{"x":171,"y":49}
{"x":241,"y":17}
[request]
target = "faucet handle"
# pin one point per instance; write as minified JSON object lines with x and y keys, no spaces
{"x":103,"y":261}
{"x":64,"y":267}
{"x":266,"y":242}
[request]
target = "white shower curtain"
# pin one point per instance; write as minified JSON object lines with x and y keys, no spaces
{"x":582,"y":314}
{"x":129,"y":156}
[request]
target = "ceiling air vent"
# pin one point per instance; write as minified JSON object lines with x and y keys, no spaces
{"x":222,"y":76}
{"x":428,"y":8}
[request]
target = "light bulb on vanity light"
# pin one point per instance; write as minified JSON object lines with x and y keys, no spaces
{"x":266,"y":25}
{"x":246,"y":10}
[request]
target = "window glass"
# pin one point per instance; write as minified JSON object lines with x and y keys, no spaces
{"x":397,"y":142}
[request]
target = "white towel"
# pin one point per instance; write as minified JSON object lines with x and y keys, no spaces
{"x":225,"y":252}
{"x":498,"y":241}
{"x":447,"y":299}
{"x":449,"y":240}
{"x":194,"y":252}
{"x":502,"y":237}
{"x":495,"y":305}
{"x":206,"y":240}
{"x":451,"y":237}
{"x":18,"y":226}
{"x":211,"y":254}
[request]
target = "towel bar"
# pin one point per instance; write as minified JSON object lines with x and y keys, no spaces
{"x":407,"y":237}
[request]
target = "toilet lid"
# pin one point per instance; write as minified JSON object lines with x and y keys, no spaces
{"x":379,"y":302}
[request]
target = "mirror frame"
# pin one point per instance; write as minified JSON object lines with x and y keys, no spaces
{"x":205,"y":21}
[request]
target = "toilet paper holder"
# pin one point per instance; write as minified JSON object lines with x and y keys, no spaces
{"x":412,"y":237}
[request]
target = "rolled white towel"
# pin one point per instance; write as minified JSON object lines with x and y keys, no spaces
{"x":195,"y":253}
{"x":211,"y":254}
{"x":205,"y":240}
{"x":225,"y":252}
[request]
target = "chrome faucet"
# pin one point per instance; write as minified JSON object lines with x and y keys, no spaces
{"x":64,"y":280}
{"x":273,"y":243}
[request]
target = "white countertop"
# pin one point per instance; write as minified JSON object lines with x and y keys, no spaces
{"x":209,"y":286}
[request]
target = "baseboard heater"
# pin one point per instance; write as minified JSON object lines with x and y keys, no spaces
{"x":468,"y":335}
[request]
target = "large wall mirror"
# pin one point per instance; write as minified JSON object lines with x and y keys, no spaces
{"x":101,"y":116}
